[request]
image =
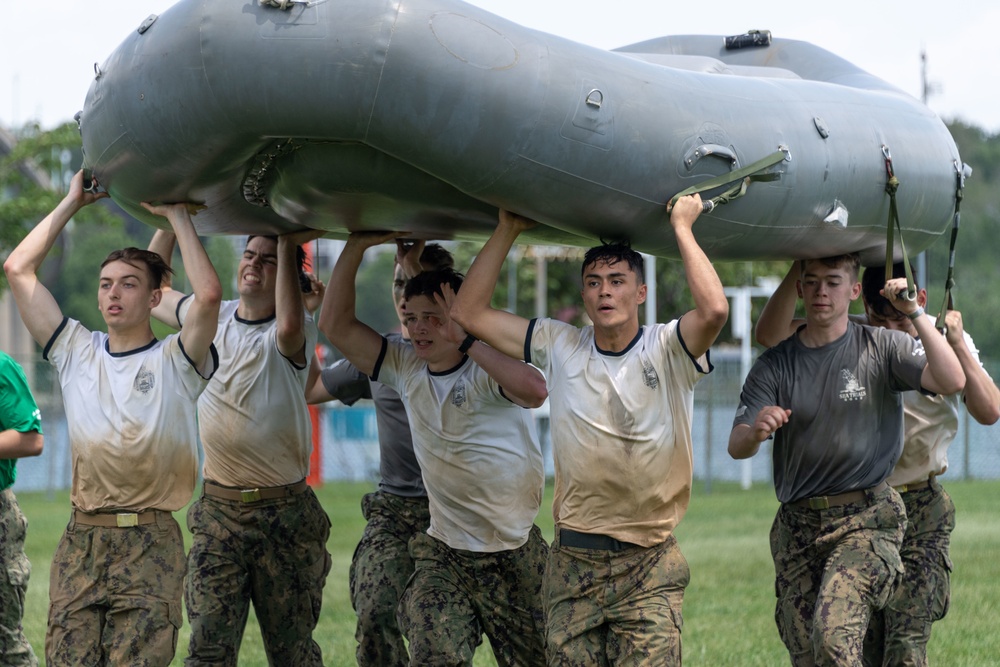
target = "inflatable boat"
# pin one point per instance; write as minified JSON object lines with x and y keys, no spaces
{"x":429,"y":115}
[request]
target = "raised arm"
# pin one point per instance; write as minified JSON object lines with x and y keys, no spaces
{"x":943,"y":373}
{"x":472,"y":310}
{"x":522,"y":383}
{"x":162,"y":244}
{"x":777,"y":320}
{"x":408,"y":256}
{"x":982,"y":398}
{"x":202,"y":318}
{"x":315,"y":391}
{"x":289,"y":311}
{"x":337,"y":318}
{"x":39,"y":310}
{"x":699,"y":327}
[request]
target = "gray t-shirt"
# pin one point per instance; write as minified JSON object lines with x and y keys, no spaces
{"x":398,"y":465}
{"x":846,"y":427}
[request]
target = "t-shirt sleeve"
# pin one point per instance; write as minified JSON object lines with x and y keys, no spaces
{"x":345,"y":382}
{"x":543,"y":339}
{"x":677,"y":359}
{"x":906,"y":360}
{"x":191,"y":381}
{"x":395,"y":363}
{"x":759,"y":391}
{"x":18,"y":410}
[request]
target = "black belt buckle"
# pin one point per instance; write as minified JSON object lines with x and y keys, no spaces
{"x":571,"y":538}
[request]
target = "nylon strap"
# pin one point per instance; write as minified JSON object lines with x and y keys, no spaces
{"x":948,"y":303}
{"x":745,"y":176}
{"x":892,"y":184}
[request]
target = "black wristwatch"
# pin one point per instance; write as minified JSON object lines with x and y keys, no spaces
{"x":467,"y":343}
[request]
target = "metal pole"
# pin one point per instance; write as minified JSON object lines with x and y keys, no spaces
{"x":512,"y":281}
{"x":541,"y":286}
{"x":650,"y":279}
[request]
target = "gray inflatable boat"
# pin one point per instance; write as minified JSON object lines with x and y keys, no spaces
{"x":429,"y":115}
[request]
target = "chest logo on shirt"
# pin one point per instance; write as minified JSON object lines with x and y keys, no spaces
{"x":144,"y":381}
{"x":458,"y":395}
{"x":852,"y":391}
{"x":649,"y":376}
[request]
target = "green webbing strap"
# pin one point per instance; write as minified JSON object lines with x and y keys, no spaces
{"x":890,"y":187}
{"x":948,"y":302}
{"x":745,"y":176}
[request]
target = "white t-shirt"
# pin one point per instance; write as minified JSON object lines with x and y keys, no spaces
{"x":131,"y":419}
{"x":480,"y":457}
{"x":254,"y":421}
{"x":930,"y":424}
{"x":621,"y":428}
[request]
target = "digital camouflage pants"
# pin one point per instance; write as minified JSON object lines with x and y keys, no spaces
{"x":271,"y":553}
{"x":14,"y":572}
{"x":615,"y":608}
{"x":833,"y":569}
{"x":379,"y":571}
{"x":455,"y":596}
{"x":898,"y":634}
{"x":115,"y":595}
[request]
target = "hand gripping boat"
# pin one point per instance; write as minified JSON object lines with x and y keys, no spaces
{"x":429,"y":115}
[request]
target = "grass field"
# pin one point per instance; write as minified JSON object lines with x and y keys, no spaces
{"x":727,"y":608}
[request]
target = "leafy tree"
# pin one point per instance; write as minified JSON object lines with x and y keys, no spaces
{"x":33,"y":180}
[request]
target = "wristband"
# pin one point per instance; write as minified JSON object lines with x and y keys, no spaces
{"x":915,"y":314}
{"x":467,"y":343}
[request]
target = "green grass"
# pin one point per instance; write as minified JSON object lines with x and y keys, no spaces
{"x":728,"y":608}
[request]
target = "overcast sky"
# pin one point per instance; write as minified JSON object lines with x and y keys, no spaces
{"x":49,"y":47}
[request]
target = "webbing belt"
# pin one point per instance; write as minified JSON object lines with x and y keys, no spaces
{"x":745,"y":176}
{"x":948,"y":302}
{"x":892,"y":184}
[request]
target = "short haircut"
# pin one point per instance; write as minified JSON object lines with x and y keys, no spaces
{"x":155,"y":267}
{"x":850,"y":261}
{"x":436,"y":257}
{"x":428,"y":283}
{"x":872,"y":282}
{"x":612,"y":253}
{"x":300,"y":259}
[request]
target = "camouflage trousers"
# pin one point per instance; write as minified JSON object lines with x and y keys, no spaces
{"x":615,"y":607}
{"x":455,"y":596}
{"x":898,"y":634}
{"x":115,"y":595}
{"x":271,"y":553}
{"x":15,"y":651}
{"x":833,"y":569}
{"x":379,"y":571}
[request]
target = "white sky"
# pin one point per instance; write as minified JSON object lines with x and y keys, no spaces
{"x":49,"y":47}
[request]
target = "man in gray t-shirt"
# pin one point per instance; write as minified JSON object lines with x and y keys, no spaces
{"x":398,"y":510}
{"x":830,"y":396}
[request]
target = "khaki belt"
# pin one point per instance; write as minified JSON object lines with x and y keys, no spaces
{"x":256,"y":494}
{"x":916,"y":486}
{"x":826,"y":502}
{"x":117,"y":519}
{"x":571,"y":538}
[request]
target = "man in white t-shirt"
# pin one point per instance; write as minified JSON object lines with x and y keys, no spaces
{"x":478,"y":567}
{"x":621,"y":405}
{"x":116,"y":577}
{"x":258,"y":531}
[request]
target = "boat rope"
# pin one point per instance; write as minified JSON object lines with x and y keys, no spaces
{"x":891,"y":186}
{"x":948,"y":302}
{"x":744,"y":176}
